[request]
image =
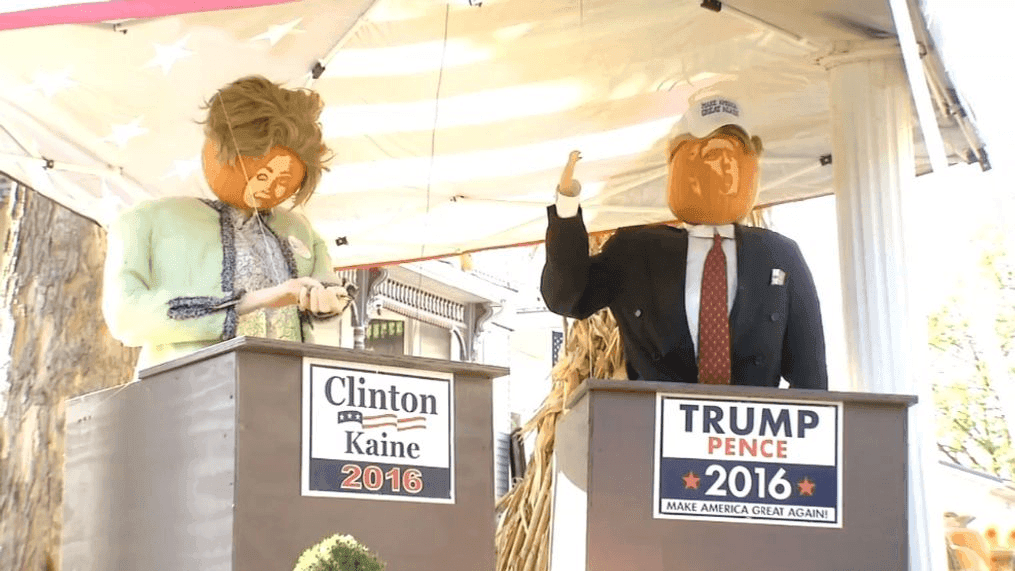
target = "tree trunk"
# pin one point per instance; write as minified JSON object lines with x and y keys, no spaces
{"x":57,"y":347}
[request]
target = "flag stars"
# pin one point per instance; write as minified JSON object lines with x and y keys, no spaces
{"x":51,"y":83}
{"x":350,"y":416}
{"x":277,"y":32}
{"x":166,"y":56}
{"x":122,"y":134}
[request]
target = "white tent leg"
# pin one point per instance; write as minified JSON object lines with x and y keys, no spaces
{"x":918,"y":83}
{"x":874,"y":160}
{"x":339,"y":44}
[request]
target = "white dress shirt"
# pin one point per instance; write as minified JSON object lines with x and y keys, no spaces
{"x":699,"y":242}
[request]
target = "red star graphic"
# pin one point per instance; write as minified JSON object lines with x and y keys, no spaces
{"x":806,"y":487}
{"x":691,"y":481}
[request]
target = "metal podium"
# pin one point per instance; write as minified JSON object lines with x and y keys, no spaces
{"x":663,"y":476}
{"x":199,"y":464}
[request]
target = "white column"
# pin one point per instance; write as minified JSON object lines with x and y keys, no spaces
{"x":872,"y":154}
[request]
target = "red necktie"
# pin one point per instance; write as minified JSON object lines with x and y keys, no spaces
{"x":713,"y":321}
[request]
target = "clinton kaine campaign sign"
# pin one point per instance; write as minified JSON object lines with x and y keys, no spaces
{"x":373,"y":432}
{"x":748,"y":460}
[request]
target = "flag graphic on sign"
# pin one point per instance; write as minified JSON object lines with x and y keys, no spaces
{"x":382,"y":420}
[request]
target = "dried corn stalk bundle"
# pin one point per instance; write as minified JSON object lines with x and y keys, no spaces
{"x":592,"y":349}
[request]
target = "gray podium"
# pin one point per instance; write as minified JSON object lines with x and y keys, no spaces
{"x":197,"y":466}
{"x":604,"y":518}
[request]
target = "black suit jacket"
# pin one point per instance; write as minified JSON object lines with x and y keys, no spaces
{"x":776,"y":329}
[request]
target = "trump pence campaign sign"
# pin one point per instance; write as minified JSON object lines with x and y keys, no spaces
{"x":748,"y":460}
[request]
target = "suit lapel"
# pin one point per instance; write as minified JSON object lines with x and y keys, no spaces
{"x":681,"y":269}
{"x":746,"y":296}
{"x":678,"y":255}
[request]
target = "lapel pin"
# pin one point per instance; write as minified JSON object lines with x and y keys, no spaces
{"x":778,"y":277}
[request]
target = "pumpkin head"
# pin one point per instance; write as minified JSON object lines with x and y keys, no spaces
{"x":254,"y":182}
{"x":713,"y":180}
{"x":713,"y":162}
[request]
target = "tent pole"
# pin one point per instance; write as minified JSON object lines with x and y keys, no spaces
{"x":918,"y":84}
{"x":59,"y":165}
{"x":872,"y":142}
{"x":783,"y":33}
{"x":326,"y":60}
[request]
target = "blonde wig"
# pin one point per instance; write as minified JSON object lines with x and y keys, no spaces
{"x":252,"y":115}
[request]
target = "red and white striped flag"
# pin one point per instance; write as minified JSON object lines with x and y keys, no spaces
{"x":382,"y":420}
{"x":31,"y":13}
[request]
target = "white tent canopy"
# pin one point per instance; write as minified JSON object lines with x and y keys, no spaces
{"x":450,"y":121}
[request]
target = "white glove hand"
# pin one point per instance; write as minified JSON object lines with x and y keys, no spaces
{"x":568,"y":185}
{"x":321,"y":300}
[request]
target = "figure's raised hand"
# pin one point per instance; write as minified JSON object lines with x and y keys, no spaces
{"x":568,"y":185}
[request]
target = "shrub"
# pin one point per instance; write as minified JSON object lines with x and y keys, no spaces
{"x":339,"y":553}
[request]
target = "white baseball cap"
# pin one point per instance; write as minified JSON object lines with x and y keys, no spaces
{"x":709,"y":110}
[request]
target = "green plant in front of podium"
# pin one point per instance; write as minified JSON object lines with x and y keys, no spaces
{"x":339,"y":553}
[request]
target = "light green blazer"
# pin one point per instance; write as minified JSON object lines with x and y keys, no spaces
{"x":169,"y":274}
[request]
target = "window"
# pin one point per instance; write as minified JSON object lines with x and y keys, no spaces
{"x":386,"y":336}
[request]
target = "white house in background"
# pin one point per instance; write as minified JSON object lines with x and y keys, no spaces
{"x":434,"y":309}
{"x":427,"y":309}
{"x":491,"y":315}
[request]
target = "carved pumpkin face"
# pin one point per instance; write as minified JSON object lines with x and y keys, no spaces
{"x":713,"y":180}
{"x":273,"y":178}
